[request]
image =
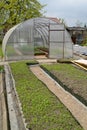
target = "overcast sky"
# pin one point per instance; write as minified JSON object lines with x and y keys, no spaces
{"x":72,"y":11}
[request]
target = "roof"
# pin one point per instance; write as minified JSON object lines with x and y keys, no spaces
{"x":76,"y":28}
{"x":54,"y":19}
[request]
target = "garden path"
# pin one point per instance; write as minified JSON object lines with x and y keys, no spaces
{"x":78,"y":110}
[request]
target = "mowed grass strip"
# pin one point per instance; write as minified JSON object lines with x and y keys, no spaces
{"x":41,"y":108}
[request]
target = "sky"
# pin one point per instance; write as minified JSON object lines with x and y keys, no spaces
{"x":72,"y":11}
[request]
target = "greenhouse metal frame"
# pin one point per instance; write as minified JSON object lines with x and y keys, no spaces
{"x":21,"y":41}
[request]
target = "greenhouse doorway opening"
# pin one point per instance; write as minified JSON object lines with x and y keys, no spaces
{"x":35,"y":37}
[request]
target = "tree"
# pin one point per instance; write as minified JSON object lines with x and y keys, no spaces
{"x":13,"y":12}
{"x":63,"y":21}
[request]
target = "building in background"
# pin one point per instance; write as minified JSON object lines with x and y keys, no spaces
{"x":78,"y":34}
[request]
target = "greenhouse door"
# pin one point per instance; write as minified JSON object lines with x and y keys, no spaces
{"x":56,"y":40}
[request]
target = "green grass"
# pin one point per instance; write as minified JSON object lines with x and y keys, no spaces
{"x":1,"y":53}
{"x":40,"y":50}
{"x":1,"y":69}
{"x":37,"y":51}
{"x":41,"y":108}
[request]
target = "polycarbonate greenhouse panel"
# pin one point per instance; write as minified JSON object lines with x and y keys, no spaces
{"x":68,"y":50}
{"x":21,"y":40}
{"x":20,"y":45}
{"x":60,"y":42}
{"x":57,"y":26}
{"x":56,"y":36}
{"x":68,"y":46}
{"x":56,"y":41}
{"x":56,"y":50}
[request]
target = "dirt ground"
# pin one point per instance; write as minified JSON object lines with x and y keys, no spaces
{"x":76,"y":87}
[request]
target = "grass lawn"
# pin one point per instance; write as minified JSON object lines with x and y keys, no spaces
{"x":71,"y":78}
{"x":42,"y":109}
{"x":1,"y":53}
{"x":1,"y":69}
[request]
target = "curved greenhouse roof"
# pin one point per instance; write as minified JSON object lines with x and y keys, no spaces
{"x":21,"y":41}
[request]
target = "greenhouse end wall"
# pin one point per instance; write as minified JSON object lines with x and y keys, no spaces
{"x":20,"y":41}
{"x":61,"y":45}
{"x":20,"y":45}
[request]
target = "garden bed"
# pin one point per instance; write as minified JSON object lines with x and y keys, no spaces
{"x":71,"y":78}
{"x":40,"y":51}
{"x":42,"y":109}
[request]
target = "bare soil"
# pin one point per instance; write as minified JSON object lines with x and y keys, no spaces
{"x":77,"y":87}
{"x":75,"y":83}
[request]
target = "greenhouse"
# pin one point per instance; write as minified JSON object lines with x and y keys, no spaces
{"x":35,"y":36}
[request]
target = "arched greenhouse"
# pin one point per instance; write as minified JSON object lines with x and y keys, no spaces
{"x":36,"y":35}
